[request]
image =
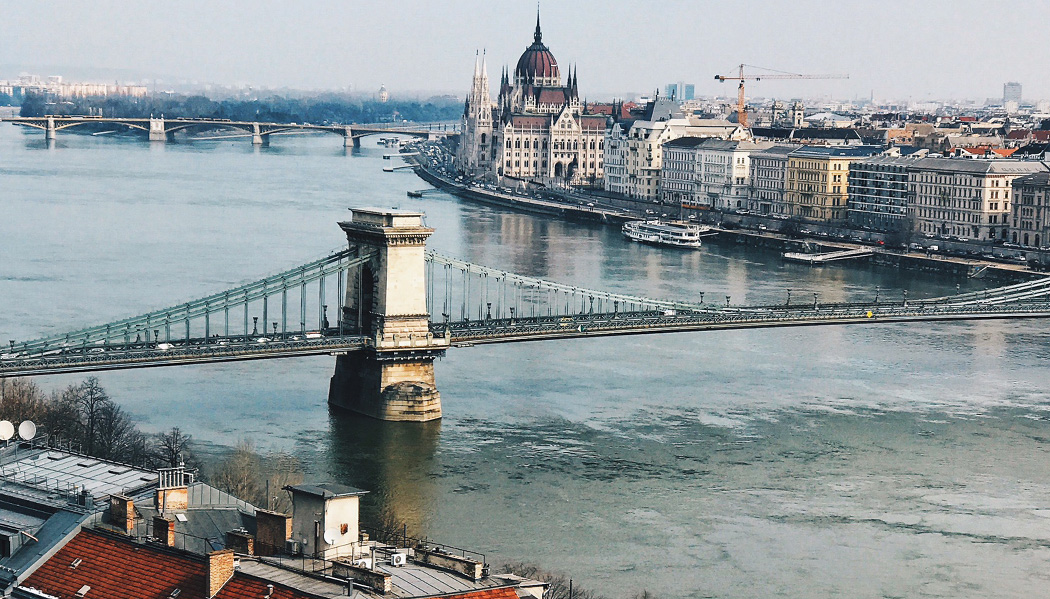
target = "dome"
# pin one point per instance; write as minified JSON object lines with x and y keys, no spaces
{"x":537,"y":62}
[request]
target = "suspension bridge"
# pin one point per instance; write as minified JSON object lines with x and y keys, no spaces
{"x":397,"y":306}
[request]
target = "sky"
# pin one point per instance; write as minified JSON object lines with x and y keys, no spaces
{"x":892,"y":49}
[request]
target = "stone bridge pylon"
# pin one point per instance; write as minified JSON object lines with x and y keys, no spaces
{"x":386,"y":301}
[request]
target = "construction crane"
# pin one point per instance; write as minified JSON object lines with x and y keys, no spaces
{"x":741,"y":108}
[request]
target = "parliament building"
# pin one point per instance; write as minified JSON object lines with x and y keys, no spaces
{"x":536,"y":131}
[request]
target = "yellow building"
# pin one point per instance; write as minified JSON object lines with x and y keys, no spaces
{"x":817,"y":183}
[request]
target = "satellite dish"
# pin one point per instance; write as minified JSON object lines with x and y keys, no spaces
{"x":27,"y":430}
{"x":330,"y":537}
{"x":7,"y":430}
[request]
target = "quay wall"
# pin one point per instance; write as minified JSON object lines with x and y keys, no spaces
{"x":952,"y":266}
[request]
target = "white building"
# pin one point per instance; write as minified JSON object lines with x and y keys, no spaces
{"x":767,"y":176}
{"x":634,"y":149}
{"x":723,"y":172}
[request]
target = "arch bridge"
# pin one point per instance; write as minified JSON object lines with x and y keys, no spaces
{"x":396,"y":306}
{"x":163,"y":129}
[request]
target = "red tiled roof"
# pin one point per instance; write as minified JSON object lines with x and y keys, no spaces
{"x":520,"y":121}
{"x":592,"y":122}
{"x":1019,"y":134}
{"x":551,"y":95}
{"x":111,"y":566}
{"x":967,"y":119}
{"x":1041,"y":135}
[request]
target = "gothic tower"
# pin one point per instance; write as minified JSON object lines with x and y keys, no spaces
{"x":475,"y":142}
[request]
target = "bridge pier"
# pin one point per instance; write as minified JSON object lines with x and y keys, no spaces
{"x":50,"y":132}
{"x":157,"y":132}
{"x":386,"y":301}
{"x":258,"y":137}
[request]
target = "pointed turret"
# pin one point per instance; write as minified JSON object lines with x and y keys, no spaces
{"x":538,"y":36}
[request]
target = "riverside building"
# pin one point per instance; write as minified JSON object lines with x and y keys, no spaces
{"x":537,"y":130}
{"x":965,"y":198}
{"x":768,"y":173}
{"x":878,"y":194}
{"x":817,"y":181}
{"x":1030,"y":211}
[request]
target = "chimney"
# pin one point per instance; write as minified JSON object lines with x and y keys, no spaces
{"x":172,"y":492}
{"x":164,"y":531}
{"x":220,"y":570}
{"x":122,"y":513}
{"x":272,"y":529}
{"x":240,"y":541}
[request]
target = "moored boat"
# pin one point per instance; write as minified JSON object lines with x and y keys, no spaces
{"x":674,"y":233}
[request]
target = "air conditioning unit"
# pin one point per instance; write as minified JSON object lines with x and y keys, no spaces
{"x":292,"y":546}
{"x":364,"y":562}
{"x":398,"y":559}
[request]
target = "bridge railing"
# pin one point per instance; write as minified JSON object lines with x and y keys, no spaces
{"x":194,"y":318}
{"x":780,"y":315}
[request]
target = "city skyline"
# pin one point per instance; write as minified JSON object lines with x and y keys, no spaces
{"x":903,"y":51}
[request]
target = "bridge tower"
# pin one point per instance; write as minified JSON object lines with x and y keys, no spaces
{"x":386,"y":302}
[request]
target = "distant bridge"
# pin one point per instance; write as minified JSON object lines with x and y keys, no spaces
{"x":162,"y":129}
{"x":400,"y":306}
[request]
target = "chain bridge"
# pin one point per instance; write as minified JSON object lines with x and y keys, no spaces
{"x":162,"y":129}
{"x":396,"y":306}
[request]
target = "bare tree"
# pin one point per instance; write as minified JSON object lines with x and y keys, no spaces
{"x":21,"y":399}
{"x":238,"y":474}
{"x":173,"y":448}
{"x":90,"y":399}
{"x":116,"y":437}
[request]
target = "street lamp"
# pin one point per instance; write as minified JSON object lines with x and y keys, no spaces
{"x":255,"y":325}
{"x":727,"y":301}
{"x":814,"y":301}
{"x":789,"y":298}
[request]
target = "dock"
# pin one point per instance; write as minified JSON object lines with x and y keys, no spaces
{"x":818,"y":259}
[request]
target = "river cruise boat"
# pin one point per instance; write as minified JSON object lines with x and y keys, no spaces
{"x":675,"y":233}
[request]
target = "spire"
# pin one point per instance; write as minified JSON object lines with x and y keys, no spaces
{"x":484,"y":64}
{"x":477,"y":70}
{"x":538,"y":36}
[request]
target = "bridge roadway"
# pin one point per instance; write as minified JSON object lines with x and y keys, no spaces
{"x":465,"y":334}
{"x":161,"y":129}
{"x":101,"y":357}
{"x":96,"y":358}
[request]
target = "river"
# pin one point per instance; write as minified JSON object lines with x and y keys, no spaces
{"x":893,"y":460}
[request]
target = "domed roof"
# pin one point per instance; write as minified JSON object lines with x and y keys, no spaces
{"x":537,"y":60}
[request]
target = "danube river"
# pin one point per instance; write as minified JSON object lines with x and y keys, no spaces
{"x":894,"y":460}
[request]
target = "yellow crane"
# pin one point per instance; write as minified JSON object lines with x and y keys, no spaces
{"x":741,"y":108}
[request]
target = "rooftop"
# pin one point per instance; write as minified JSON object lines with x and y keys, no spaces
{"x":326,"y":490}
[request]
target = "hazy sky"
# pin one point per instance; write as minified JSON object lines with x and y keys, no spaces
{"x":902,"y":49}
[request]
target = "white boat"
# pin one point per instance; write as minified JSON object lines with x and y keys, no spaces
{"x":676,"y":234}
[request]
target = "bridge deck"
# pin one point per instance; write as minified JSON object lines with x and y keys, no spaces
{"x":634,"y":323}
{"x":196,"y":351}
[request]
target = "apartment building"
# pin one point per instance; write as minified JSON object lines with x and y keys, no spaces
{"x":768,"y":171}
{"x":817,"y":181}
{"x":965,"y":198}
{"x":1030,"y":211}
